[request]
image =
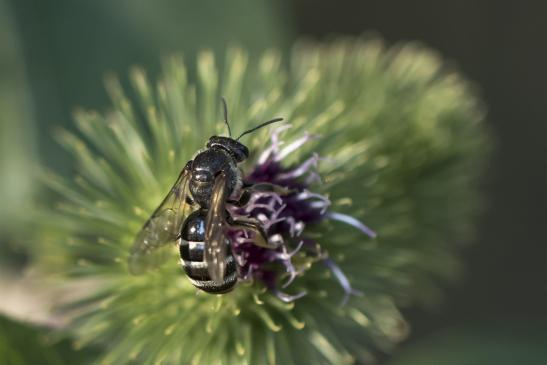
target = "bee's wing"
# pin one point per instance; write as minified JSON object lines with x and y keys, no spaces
{"x":161,"y":228}
{"x":215,"y":232}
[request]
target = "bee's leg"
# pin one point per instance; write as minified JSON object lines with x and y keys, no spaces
{"x":260,"y":237}
{"x":246,"y":278}
{"x":267,"y":187}
{"x":243,"y":199}
{"x":247,"y":191}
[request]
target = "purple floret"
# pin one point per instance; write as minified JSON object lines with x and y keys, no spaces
{"x":284,"y":218}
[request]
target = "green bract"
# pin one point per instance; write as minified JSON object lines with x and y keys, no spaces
{"x":402,"y":145}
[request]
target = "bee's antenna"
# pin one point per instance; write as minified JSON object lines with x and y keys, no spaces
{"x":260,"y":126}
{"x":225,"y":109}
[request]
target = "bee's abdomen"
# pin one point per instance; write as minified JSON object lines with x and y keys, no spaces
{"x":191,"y":254}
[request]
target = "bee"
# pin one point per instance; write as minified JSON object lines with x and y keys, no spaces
{"x":194,"y":215}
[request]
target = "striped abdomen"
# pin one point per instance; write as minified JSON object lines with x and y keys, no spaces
{"x":191,"y":253}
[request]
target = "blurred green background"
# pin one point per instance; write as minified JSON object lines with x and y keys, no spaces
{"x":53,"y":56}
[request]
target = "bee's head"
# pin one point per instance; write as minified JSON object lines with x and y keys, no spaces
{"x":236,"y":149}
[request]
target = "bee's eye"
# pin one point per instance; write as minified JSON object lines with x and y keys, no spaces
{"x":202,"y":176}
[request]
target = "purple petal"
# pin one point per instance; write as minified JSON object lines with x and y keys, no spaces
{"x":300,"y":170}
{"x":321,"y":203}
{"x":313,"y":178}
{"x":287,"y":298}
{"x":342,"y":279}
{"x":348,"y":219}
{"x":291,"y":147}
{"x":274,"y":148}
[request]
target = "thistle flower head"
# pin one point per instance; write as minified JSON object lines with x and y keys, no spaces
{"x":375,"y":136}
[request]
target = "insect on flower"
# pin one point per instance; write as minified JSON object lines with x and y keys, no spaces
{"x":352,"y":147}
{"x":195,"y":214}
{"x":229,"y":228}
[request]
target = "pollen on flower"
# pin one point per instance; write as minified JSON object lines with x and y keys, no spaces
{"x":285,"y":216}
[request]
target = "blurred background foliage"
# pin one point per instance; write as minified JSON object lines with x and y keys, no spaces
{"x":17,"y":134}
{"x":53,"y":57}
{"x":70,"y":46}
{"x":23,"y":344}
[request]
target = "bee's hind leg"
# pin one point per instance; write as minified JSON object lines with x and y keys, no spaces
{"x":249,"y":189}
{"x":260,"y":237}
{"x":267,"y":187}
